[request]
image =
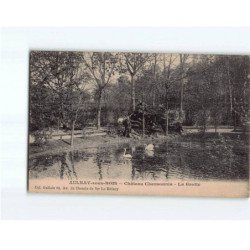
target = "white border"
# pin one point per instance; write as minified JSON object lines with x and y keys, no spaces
{"x":125,"y":13}
{"x":16,"y":43}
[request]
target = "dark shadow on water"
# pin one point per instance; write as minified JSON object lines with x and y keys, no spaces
{"x":67,"y":170}
{"x":216,"y":158}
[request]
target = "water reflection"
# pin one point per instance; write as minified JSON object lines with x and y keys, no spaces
{"x":182,"y":160}
{"x":67,"y":166}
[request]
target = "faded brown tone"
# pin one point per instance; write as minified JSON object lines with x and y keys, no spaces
{"x":139,"y":123}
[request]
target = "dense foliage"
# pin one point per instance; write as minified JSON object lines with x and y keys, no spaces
{"x":75,"y":89}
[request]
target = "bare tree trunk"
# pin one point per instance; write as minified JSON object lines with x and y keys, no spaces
{"x":204,"y":121}
{"x":72,"y":134}
{"x":166,"y":89}
{"x":230,"y":95}
{"x":154,"y":94}
{"x":167,"y":122}
{"x":166,"y":113}
{"x":133,"y":91}
{"x":154,"y":86}
{"x":230,"y":92}
{"x":58,"y":126}
{"x":181,"y":97}
{"x":50,"y":132}
{"x":181,"y":103}
{"x":99,"y":108}
{"x":143,"y":117}
{"x":232,"y":112}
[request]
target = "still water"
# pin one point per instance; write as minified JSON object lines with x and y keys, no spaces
{"x":214,"y":160}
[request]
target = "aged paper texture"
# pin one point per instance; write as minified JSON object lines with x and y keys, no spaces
{"x":139,"y":124}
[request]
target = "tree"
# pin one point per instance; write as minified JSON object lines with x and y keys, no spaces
{"x":133,"y":63}
{"x":183,"y":60}
{"x":155,"y":64}
{"x":64,"y":77}
{"x":236,"y":75}
{"x":168,"y":79}
{"x":117,"y":96}
{"x":42,"y":99}
{"x":204,"y":93}
{"x":77,"y":96}
{"x":102,"y":67}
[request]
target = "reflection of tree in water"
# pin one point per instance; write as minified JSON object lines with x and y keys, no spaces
{"x":72,"y":159}
{"x":133,"y":172}
{"x":82,"y":155}
{"x":67,"y":162}
{"x":149,"y":166}
{"x":99,"y":164}
{"x":214,"y":159}
{"x":45,"y":161}
{"x":103,"y":158}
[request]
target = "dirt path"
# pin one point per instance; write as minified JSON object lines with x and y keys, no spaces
{"x":57,"y":146}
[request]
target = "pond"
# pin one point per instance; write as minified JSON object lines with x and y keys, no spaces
{"x":183,"y":160}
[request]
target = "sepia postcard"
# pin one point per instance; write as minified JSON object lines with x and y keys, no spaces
{"x":139,"y":124}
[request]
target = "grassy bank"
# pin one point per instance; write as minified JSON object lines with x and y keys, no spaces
{"x":55,"y":146}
